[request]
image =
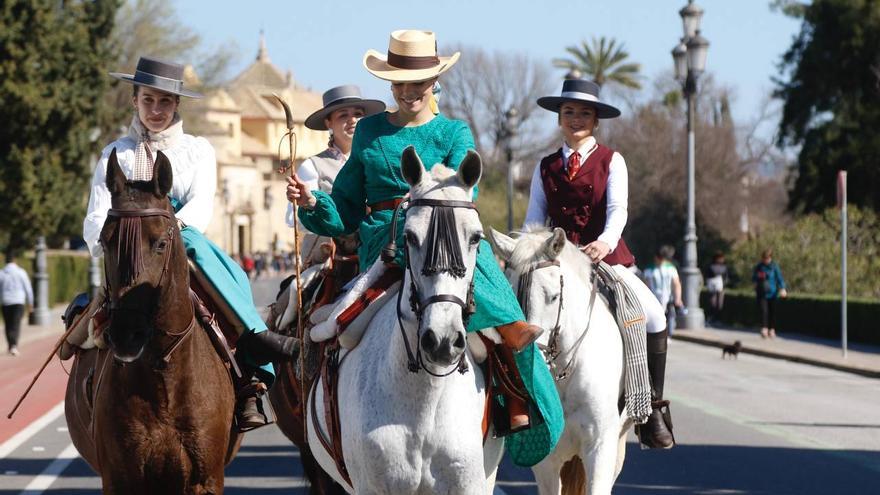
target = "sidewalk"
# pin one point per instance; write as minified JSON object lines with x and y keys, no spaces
{"x":31,"y":333}
{"x":861,"y":359}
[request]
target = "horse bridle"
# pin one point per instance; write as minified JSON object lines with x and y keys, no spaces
{"x":551,"y":350}
{"x":418,"y":305}
{"x":138,"y":213}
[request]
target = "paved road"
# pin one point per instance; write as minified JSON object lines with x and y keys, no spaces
{"x":750,"y":426}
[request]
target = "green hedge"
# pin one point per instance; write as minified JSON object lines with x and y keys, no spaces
{"x":816,"y":315}
{"x":68,"y":274}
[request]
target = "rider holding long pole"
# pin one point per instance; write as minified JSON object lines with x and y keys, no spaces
{"x":370,"y":178}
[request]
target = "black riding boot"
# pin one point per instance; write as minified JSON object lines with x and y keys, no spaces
{"x":657,"y":432}
{"x":269,"y":346}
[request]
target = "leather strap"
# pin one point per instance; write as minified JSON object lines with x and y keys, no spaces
{"x":146,"y":212}
{"x":386,"y":205}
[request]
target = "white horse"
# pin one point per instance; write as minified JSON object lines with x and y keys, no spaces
{"x":553,"y":280}
{"x":408,"y":432}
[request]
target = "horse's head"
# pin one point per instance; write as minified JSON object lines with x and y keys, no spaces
{"x":142,"y":245}
{"x":535,"y":262}
{"x":442,"y":235}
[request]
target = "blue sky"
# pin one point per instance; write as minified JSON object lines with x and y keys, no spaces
{"x":323,"y":41}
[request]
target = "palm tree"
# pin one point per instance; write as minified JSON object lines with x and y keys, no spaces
{"x":602,"y":62}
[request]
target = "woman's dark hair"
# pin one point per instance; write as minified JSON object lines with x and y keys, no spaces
{"x":135,"y":88}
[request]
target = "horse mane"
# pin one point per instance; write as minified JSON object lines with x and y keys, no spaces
{"x":530,"y":249}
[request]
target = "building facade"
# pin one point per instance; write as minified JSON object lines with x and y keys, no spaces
{"x":245,"y":124}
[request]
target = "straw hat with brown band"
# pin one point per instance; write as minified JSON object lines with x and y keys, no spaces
{"x":412,"y":57}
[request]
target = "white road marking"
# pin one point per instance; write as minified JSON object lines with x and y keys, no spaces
{"x":37,"y":448}
{"x":45,"y":479}
{"x":31,"y":430}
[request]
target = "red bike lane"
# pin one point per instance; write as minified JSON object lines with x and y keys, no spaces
{"x":15,"y":375}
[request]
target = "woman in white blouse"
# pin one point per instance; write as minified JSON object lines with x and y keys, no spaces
{"x":343,"y":108}
{"x":582,"y":188}
{"x":156,"y":126}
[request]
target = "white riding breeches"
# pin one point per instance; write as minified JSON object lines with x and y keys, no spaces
{"x":655,"y":314}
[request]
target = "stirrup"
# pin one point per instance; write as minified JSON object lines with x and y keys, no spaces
{"x":643,"y":432}
{"x":255,"y":395}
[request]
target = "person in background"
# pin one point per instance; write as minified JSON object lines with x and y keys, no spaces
{"x":17,"y":297}
{"x":769,"y":286}
{"x":662,"y":278}
{"x":343,"y":108}
{"x":716,"y":279}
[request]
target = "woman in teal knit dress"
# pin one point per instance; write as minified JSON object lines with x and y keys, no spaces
{"x":371,"y":177}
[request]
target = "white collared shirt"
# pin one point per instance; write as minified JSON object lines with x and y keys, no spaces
{"x":194,"y":169}
{"x":616,"y":194}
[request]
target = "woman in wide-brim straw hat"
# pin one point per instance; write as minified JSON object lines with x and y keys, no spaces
{"x":156,"y":126}
{"x":583,"y":188}
{"x":343,"y":108}
{"x":412,"y":65}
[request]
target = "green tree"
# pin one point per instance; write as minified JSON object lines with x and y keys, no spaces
{"x":831,"y":102}
{"x":808,"y":251}
{"x":53,"y":75}
{"x":604,"y":61}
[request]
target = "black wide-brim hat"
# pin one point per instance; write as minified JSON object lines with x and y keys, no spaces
{"x":342,"y":97}
{"x":158,"y":74}
{"x":583,"y":91}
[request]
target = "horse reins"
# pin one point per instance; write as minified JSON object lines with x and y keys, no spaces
{"x":552,"y":350}
{"x":128,"y":236}
{"x":418,"y":305}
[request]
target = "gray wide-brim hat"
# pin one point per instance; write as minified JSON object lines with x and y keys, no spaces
{"x":158,"y":74}
{"x":583,"y":91}
{"x":342,"y":97}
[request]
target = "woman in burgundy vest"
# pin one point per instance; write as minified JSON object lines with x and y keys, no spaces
{"x":582,"y":188}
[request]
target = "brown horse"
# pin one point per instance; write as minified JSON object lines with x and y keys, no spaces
{"x":152,"y":413}
{"x":285,"y":396}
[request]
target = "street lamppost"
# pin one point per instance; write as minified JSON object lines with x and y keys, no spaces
{"x":511,"y":121}
{"x":690,"y":62}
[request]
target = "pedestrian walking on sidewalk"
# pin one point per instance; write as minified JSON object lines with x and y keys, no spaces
{"x":769,"y":286}
{"x":662,"y":278}
{"x":17,"y":297}
{"x":716,"y":279}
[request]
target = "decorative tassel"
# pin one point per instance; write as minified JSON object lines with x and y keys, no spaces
{"x":130,"y":244}
{"x":444,"y":251}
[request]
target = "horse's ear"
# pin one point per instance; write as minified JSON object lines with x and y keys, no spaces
{"x":555,"y":243}
{"x":503,"y":244}
{"x":115,"y":179}
{"x":162,"y":175}
{"x":471,"y":169}
{"x":411,"y":166}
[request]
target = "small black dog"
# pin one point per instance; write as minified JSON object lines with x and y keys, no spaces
{"x":732,"y":349}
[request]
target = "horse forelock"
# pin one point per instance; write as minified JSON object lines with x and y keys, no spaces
{"x":530,"y":249}
{"x":441,"y":183}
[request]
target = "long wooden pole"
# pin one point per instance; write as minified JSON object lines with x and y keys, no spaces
{"x":296,"y":259}
{"x":46,"y":363}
